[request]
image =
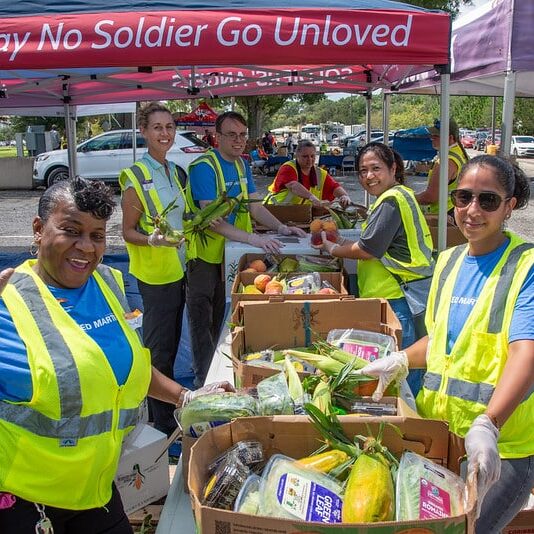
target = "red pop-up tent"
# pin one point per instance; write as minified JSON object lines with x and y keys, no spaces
{"x":202,"y":115}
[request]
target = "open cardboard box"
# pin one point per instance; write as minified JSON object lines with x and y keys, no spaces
{"x":293,"y":215}
{"x":245,"y":259}
{"x":296,"y":437}
{"x":291,"y":323}
{"x":454,"y":235}
{"x":337,"y":280}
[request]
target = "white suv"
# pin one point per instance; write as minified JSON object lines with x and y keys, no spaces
{"x":104,"y":156}
{"x":522,"y":145}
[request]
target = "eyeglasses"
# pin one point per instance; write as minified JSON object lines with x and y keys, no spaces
{"x":487,"y":200}
{"x":235,"y":136}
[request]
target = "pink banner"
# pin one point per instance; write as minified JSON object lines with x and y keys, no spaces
{"x":224,"y":38}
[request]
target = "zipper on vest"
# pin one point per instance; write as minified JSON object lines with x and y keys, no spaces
{"x":442,"y":396}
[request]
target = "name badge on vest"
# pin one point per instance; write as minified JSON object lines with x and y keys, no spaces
{"x":147,"y":186}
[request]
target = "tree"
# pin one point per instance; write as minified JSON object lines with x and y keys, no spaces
{"x":452,"y":6}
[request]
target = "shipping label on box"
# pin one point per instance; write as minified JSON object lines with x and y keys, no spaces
{"x":296,"y":437}
{"x":143,"y":472}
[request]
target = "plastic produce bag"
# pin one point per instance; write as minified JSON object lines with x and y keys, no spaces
{"x":303,"y":284}
{"x":208,"y":411}
{"x":290,"y":490}
{"x":426,"y":490}
{"x":273,"y":396}
{"x":362,"y":343}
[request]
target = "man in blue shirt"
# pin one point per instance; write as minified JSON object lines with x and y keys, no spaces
{"x":205,"y":288}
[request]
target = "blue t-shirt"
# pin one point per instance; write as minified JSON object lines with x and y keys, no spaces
{"x":472,"y":276}
{"x":88,"y":307}
{"x":204,"y":185}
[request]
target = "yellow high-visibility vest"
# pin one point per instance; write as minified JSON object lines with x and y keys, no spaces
{"x":62,"y":447}
{"x":375,"y":277}
{"x":459,"y":385}
{"x":152,"y":265}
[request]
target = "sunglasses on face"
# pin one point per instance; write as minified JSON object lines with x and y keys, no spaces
{"x":487,"y":200}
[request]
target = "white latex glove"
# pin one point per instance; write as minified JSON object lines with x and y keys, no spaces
{"x":291,"y":230}
{"x":482,"y":455}
{"x":156,"y":239}
{"x":5,"y":275}
{"x":344,"y":200}
{"x":267,"y":243}
{"x":214,"y":387}
{"x":317,"y":202}
{"x":387,"y":369}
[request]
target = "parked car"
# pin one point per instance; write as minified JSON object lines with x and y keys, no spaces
{"x":522,"y":145}
{"x":480,"y":141}
{"x":104,"y":156}
{"x":468,"y":140}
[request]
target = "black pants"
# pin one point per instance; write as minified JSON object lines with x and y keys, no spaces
{"x":163,"y":307}
{"x":205,"y":306}
{"x":22,"y":517}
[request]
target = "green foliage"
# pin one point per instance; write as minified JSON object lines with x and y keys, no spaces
{"x":452,"y":6}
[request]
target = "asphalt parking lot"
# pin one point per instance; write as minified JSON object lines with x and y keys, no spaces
{"x":18,"y":208}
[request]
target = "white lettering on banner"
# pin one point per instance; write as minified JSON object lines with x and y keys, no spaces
{"x":235,"y":35}
{"x":165,"y":35}
{"x":5,"y":39}
{"x":59,"y":39}
{"x":341,"y":34}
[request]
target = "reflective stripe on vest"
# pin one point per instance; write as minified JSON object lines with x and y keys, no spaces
{"x":391,"y":263}
{"x":71,"y":424}
{"x":142,"y":177}
{"x":285,"y":196}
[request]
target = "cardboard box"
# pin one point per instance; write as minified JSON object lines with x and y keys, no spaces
{"x":143,"y":472}
{"x":294,"y":214}
{"x":522,"y":523}
{"x":337,"y":280}
{"x":454,"y":235}
{"x":296,"y":437}
{"x":297,"y":323}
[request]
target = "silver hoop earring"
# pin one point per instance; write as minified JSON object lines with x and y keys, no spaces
{"x":34,"y":248}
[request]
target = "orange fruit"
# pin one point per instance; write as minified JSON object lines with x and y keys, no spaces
{"x":329,"y":226}
{"x":258,"y":265}
{"x":316,"y":225}
{"x":261,"y":281}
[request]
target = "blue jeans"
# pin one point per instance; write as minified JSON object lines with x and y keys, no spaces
{"x":403,"y":313}
{"x":507,"y":496}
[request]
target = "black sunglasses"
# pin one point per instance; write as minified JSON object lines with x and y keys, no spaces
{"x":487,"y":200}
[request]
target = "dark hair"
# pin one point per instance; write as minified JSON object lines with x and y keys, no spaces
{"x":89,"y":196}
{"x":512,"y":179}
{"x":233,"y":115}
{"x":143,"y":115}
{"x":387,"y":155}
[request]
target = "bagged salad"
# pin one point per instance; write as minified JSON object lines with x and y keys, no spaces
{"x":290,"y":490}
{"x":273,"y":396}
{"x":426,"y":490}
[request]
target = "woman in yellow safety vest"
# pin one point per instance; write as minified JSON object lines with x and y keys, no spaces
{"x":300,"y":181}
{"x":456,"y":158}
{"x":73,"y":372}
{"x":395,"y":246}
{"x":479,"y":353}
{"x":149,"y":186}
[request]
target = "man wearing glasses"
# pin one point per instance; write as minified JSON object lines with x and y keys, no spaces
{"x":218,"y":170}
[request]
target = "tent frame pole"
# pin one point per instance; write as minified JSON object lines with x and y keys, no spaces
{"x":368,"y":96}
{"x":386,"y":101}
{"x":508,"y":113}
{"x":70,"y":133}
{"x":443,"y":157}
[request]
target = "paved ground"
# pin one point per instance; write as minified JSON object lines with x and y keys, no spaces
{"x":18,"y":208}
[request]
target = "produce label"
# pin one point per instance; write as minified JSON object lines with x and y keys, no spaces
{"x":307,"y":500}
{"x":367,"y":352}
{"x":435,"y":503}
{"x":197,"y":429}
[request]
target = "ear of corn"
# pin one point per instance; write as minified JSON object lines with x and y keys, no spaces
{"x":327,"y":365}
{"x":369,"y":494}
{"x":325,"y":461}
{"x":293,"y":381}
{"x":322,"y":398}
